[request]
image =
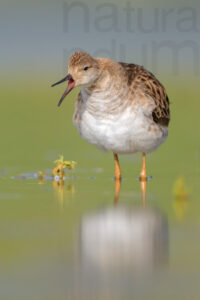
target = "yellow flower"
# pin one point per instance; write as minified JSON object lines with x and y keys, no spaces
{"x":69,"y":164}
{"x":61,"y":165}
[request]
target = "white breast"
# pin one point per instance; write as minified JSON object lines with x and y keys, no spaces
{"x":126,"y":131}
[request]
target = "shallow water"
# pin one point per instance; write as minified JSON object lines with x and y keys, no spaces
{"x":74,"y":242}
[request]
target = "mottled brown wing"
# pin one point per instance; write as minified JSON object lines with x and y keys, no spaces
{"x":151,"y":87}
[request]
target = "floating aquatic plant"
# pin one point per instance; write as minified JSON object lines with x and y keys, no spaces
{"x":62,"y":164}
{"x":40,"y":177}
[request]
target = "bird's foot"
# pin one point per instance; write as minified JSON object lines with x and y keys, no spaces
{"x":143,"y":175}
{"x":118,"y":177}
{"x":144,"y":178}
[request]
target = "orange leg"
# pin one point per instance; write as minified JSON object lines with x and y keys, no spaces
{"x":117,"y":167}
{"x":143,"y":174}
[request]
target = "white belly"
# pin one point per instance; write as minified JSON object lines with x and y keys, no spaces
{"x":124,"y":133}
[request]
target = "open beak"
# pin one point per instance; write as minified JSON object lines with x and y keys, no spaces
{"x":71,"y":84}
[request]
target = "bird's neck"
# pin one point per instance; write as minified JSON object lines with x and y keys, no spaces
{"x":108,"y":93}
{"x":110,"y":78}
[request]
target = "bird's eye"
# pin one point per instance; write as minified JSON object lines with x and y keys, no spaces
{"x":85,"y":68}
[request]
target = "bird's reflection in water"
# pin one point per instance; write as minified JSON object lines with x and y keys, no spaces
{"x":121,"y":248}
{"x":143,"y":185}
{"x":122,"y":238}
{"x":118,"y":244}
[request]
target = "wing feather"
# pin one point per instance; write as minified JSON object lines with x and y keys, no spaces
{"x":151,"y":87}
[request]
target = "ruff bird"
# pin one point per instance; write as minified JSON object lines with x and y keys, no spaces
{"x":121,"y":107}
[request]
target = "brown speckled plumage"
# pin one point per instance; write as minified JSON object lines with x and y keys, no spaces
{"x":148,"y":84}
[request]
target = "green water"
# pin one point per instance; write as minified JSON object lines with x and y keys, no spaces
{"x":45,"y":246}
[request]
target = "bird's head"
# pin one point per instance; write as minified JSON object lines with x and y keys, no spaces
{"x":83,"y":71}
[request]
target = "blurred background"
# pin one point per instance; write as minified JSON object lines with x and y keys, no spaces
{"x":46,"y":236}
